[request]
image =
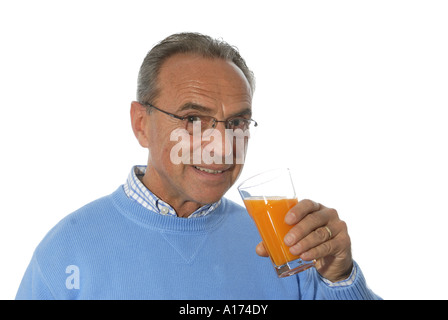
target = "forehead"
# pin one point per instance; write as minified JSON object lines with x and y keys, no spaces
{"x":187,"y":76}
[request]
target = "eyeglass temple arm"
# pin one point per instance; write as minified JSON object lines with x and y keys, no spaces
{"x":170,"y":114}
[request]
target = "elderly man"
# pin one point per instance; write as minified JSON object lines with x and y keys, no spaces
{"x":168,"y":233}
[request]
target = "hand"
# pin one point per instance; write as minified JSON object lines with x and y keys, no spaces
{"x":310,"y":239}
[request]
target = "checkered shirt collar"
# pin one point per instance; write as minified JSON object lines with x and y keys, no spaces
{"x":136,"y":190}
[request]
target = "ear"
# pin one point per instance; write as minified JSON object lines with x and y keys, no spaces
{"x":139,"y":119}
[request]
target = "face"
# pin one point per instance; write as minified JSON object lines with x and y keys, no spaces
{"x":192,"y":85}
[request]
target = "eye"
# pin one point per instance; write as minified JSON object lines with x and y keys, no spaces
{"x":238,"y":123}
{"x":193,"y":118}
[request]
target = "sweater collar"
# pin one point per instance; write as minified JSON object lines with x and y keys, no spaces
{"x":150,"y":219}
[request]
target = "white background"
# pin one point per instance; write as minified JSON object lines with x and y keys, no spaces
{"x":351,"y":95}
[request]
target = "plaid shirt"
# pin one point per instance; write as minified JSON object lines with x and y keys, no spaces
{"x":136,"y":190}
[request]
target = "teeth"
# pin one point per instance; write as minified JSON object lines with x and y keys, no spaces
{"x":208,"y":170}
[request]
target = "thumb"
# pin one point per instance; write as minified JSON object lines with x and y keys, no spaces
{"x":261,"y":250}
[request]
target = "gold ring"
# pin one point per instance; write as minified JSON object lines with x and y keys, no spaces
{"x":329,"y":232}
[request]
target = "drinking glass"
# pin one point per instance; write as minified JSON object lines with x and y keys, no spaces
{"x":268,"y":196}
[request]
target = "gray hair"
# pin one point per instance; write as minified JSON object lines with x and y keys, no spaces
{"x":195,"y":43}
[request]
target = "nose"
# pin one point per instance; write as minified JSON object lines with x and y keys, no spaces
{"x":218,"y":143}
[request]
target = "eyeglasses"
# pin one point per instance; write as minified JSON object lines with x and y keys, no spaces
{"x":207,"y":122}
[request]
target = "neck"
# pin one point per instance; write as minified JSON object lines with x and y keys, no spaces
{"x":183,"y":208}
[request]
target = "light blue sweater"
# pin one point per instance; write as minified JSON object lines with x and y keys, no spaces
{"x":113,"y":248}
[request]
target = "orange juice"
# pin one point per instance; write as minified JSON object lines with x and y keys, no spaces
{"x":268,"y":214}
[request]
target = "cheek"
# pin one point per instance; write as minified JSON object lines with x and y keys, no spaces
{"x":159,"y":142}
{"x":160,"y":151}
{"x":237,"y":171}
{"x":161,"y":148}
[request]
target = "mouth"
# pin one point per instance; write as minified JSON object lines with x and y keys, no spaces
{"x":210,"y":171}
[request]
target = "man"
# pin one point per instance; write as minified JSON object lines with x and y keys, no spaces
{"x":168,"y":233}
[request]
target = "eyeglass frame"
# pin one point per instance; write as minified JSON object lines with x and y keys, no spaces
{"x":215,"y":121}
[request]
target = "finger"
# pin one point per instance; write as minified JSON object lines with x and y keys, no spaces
{"x":261,"y":250}
{"x":300,"y":210}
{"x":325,"y":249}
{"x":306,"y":226}
{"x":335,"y":246}
{"x":315,"y":238}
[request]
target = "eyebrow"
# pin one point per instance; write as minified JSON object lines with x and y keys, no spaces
{"x":198,"y":107}
{"x":247,"y":111}
{"x":194,"y":106}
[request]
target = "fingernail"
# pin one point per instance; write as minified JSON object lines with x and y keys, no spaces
{"x":305,"y":256}
{"x":289,"y":239}
{"x":289,"y":218}
{"x":296,"y":249}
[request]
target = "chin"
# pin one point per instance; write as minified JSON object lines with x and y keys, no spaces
{"x":204,"y":200}
{"x":209,"y":197}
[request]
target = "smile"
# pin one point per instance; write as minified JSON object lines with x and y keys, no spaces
{"x":209,"y":170}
